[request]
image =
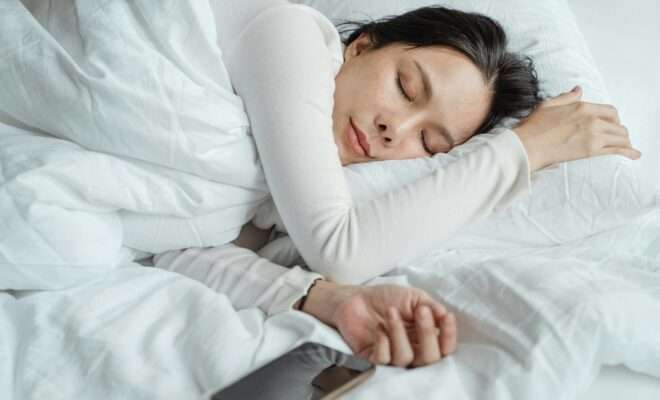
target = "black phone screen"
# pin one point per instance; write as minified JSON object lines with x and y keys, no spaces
{"x":290,"y":376}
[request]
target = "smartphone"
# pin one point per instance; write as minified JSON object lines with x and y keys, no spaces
{"x":290,"y":376}
{"x":349,"y":384}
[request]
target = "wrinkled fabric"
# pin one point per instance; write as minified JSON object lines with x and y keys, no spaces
{"x":146,"y":145}
{"x":535,"y":321}
{"x":119,"y":131}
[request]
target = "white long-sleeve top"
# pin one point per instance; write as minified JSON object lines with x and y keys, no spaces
{"x":282,"y":59}
{"x":246,"y":278}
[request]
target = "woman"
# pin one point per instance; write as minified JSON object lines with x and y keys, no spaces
{"x":406,"y":87}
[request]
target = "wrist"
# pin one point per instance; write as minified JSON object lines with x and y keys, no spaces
{"x":324,"y":298}
{"x":534,"y":154}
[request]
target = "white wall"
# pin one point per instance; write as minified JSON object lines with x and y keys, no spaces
{"x":624,"y":37}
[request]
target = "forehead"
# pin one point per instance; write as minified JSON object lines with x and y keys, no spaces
{"x":461,"y":97}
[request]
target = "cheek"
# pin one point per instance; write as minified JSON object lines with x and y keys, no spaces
{"x":407,"y":149}
{"x":372,"y":82}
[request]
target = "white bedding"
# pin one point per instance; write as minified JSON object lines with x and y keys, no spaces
{"x":546,"y":292}
{"x":637,"y":108}
{"x":119,"y":131}
{"x":538,"y":309}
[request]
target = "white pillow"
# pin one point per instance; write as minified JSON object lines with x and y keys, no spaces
{"x":545,"y":30}
{"x":569,"y":201}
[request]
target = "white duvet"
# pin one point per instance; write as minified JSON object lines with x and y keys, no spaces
{"x":120,"y":135}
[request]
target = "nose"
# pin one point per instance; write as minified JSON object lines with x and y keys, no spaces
{"x":396,"y":128}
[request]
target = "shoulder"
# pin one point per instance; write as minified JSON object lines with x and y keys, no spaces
{"x":301,"y":23}
{"x":292,"y":14}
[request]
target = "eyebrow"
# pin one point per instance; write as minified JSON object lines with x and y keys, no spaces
{"x":428,"y":90}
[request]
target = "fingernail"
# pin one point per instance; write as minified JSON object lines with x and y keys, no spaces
{"x":441,"y":311}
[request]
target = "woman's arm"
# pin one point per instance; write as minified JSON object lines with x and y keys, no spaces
{"x":282,"y":68}
{"x":360,"y":314}
{"x":245,"y":278}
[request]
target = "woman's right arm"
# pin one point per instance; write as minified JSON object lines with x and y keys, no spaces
{"x":282,"y":68}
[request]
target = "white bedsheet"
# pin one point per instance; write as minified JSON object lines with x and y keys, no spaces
{"x":138,"y":333}
{"x":546,"y":292}
{"x":539,"y":323}
{"x":533,"y":316}
{"x":119,"y":131}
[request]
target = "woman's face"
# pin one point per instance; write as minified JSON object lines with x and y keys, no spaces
{"x":406,"y":102}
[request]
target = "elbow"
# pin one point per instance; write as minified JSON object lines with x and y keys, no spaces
{"x":341,"y":255}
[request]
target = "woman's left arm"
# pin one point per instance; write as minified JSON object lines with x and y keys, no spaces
{"x":413,"y":337}
{"x":386,"y":324}
{"x":245,"y":278}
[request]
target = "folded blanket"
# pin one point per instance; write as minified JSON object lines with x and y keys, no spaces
{"x":132,"y":129}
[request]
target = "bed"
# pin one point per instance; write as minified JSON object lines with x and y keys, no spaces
{"x":540,"y":314}
{"x":637,"y":109}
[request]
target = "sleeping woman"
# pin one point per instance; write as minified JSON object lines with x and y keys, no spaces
{"x":407,"y":86}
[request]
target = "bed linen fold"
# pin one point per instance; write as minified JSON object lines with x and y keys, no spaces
{"x":123,"y":134}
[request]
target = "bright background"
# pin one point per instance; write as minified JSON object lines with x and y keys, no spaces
{"x":624,"y":38}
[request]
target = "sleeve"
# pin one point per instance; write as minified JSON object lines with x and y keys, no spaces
{"x":245,"y":278}
{"x":282,"y":69}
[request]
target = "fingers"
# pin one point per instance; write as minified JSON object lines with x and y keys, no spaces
{"x":449,"y":337}
{"x":604,"y":111}
{"x":428,"y":350}
{"x":381,"y":351}
{"x":402,"y":352}
{"x":618,"y":130}
{"x":564,"y":99}
{"x":633,"y":154}
{"x":609,"y":139}
{"x":446,"y":342}
{"x":615,"y":140}
{"x":438,"y":309}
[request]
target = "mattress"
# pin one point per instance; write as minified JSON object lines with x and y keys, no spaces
{"x":638,"y":111}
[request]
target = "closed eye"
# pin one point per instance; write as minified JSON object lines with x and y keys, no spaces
{"x":401,"y":89}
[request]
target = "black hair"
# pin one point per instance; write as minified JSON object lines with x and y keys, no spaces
{"x":511,"y":77}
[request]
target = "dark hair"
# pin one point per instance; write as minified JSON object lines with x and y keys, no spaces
{"x":512,"y":77}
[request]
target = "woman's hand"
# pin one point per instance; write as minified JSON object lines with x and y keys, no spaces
{"x":387,"y":324}
{"x":564,"y":128}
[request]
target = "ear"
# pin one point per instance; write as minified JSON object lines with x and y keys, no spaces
{"x":360,"y":45}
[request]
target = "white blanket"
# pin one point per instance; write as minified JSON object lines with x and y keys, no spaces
{"x":138,"y":333}
{"x":116,"y":116}
{"x":144,"y":139}
{"x":546,"y":292}
{"x":539,"y":322}
{"x":120,"y":132}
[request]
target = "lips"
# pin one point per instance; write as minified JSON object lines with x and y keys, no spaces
{"x":360,"y":139}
